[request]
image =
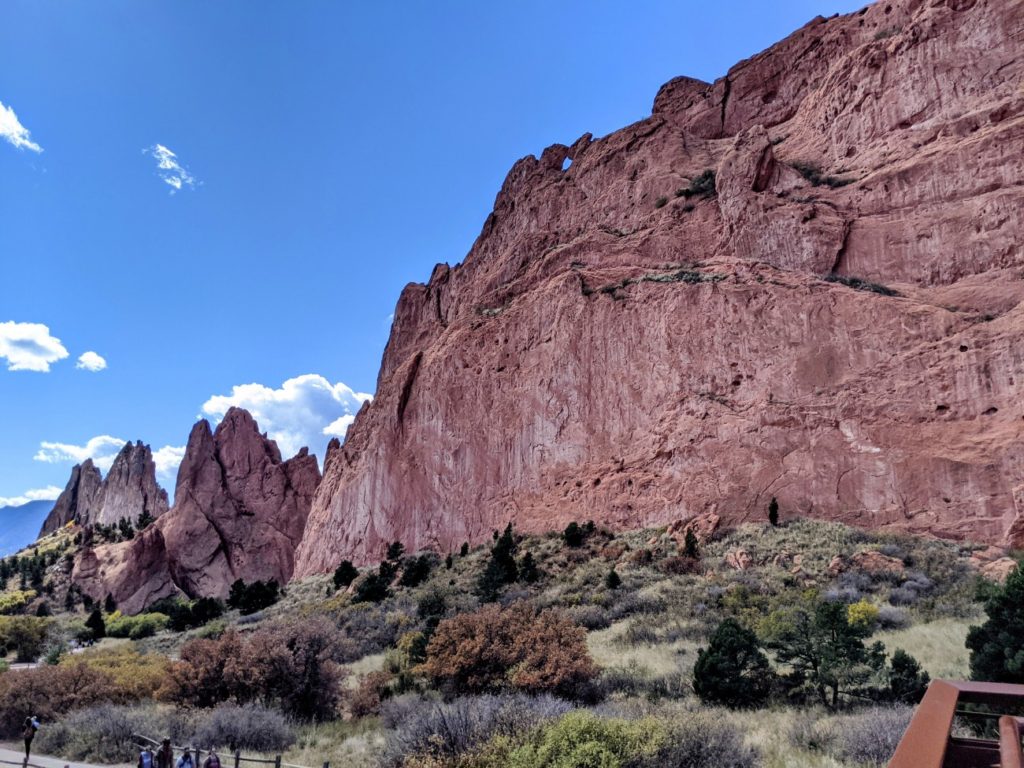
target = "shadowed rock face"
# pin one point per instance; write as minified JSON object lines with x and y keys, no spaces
{"x":239,"y":513}
{"x":77,"y":500}
{"x":609,"y":350}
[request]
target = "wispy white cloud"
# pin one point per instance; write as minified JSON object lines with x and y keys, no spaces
{"x":174,"y":174}
{"x":101,"y":449}
{"x":305,"y":411}
{"x":90,"y":361}
{"x":167,"y":460}
{"x":14,"y":132}
{"x":49,"y":493}
{"x":29,"y":347}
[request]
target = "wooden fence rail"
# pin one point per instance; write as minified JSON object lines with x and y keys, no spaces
{"x":144,"y":742}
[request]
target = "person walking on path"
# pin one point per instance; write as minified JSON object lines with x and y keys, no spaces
{"x":165,"y":755}
{"x":146,"y":758}
{"x":29,"y":733}
{"x":186,"y":761}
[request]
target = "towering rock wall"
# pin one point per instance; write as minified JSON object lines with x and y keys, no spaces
{"x":239,"y":513}
{"x":128,"y":491}
{"x":619,"y":345}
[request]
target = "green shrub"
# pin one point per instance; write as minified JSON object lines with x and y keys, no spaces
{"x":14,"y":602}
{"x":860,"y":285}
{"x":814,"y":175}
{"x":136,"y":627}
{"x":249,"y":598}
{"x":583,"y":739}
{"x":660,"y":202}
{"x":701,"y":186}
{"x":24,"y":636}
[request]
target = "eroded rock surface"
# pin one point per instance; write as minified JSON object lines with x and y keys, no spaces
{"x":239,"y":513}
{"x":621,"y":346}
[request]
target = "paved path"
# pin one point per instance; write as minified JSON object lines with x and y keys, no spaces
{"x":15,"y":756}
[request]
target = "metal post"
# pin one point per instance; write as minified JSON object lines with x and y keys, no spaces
{"x":277,"y":762}
{"x":238,"y":757}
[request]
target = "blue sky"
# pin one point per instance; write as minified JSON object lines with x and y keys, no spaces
{"x":324,"y":155}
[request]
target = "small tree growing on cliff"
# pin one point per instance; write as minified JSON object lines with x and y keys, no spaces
{"x":773,"y":512}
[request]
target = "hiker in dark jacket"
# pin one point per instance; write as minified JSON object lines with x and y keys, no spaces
{"x":29,"y":733}
{"x":213,"y":761}
{"x":165,"y":755}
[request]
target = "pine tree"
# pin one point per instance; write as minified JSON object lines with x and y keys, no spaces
{"x":613,"y":580}
{"x":501,"y":567}
{"x":732,"y":670}
{"x":690,"y":548}
{"x":345,"y":574}
{"x":997,"y":646}
{"x":96,"y":625}
{"x":109,"y":605}
{"x":773,"y":512}
{"x":464,"y":549}
{"x":907,"y":681}
{"x":528,"y":571}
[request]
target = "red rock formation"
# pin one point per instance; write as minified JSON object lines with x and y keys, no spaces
{"x":611,"y":350}
{"x":239,"y":510}
{"x":135,"y":572}
{"x":77,"y":500}
{"x":129,"y":490}
{"x":239,"y":513}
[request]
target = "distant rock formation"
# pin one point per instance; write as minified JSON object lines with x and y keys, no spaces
{"x":78,"y":499}
{"x":129,"y":490}
{"x":239,"y":513}
{"x":804,"y":280}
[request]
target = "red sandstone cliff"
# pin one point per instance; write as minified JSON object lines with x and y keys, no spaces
{"x":239,"y":513}
{"x":611,"y":350}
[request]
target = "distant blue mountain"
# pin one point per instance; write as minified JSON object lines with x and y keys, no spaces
{"x":20,"y":525}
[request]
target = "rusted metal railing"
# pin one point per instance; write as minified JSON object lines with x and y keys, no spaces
{"x":929,"y":742}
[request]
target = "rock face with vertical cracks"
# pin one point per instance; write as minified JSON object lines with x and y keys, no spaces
{"x":624,"y":344}
{"x":128,"y":491}
{"x":239,"y":513}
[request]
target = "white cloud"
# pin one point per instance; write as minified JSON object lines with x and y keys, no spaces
{"x":29,"y":347}
{"x":305,"y":411}
{"x":169,"y":169}
{"x":167,"y":460}
{"x":49,"y":493}
{"x":101,"y":449}
{"x":90,"y":361}
{"x":15,"y":133}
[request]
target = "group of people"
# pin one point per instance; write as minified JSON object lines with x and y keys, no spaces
{"x":164,"y":758}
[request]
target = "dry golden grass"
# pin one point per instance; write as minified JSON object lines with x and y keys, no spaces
{"x":938,"y":645}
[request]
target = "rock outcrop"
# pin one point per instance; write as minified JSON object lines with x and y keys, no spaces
{"x":239,"y":510}
{"x":239,"y":513}
{"x":628,"y":343}
{"x":78,"y":499}
{"x":128,"y":491}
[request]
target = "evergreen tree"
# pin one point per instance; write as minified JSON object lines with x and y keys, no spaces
{"x":528,"y":570}
{"x":501,"y":568}
{"x":732,"y":670}
{"x":464,"y":549}
{"x":144,"y":520}
{"x":997,"y":646}
{"x":907,"y":681}
{"x":449,"y":561}
{"x":109,"y":605}
{"x":773,"y":512}
{"x":395,"y":551}
{"x":690,"y":547}
{"x":96,"y":625}
{"x":345,"y":574}
{"x":613,"y":580}
{"x":125,"y":529}
{"x":573,"y":535}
